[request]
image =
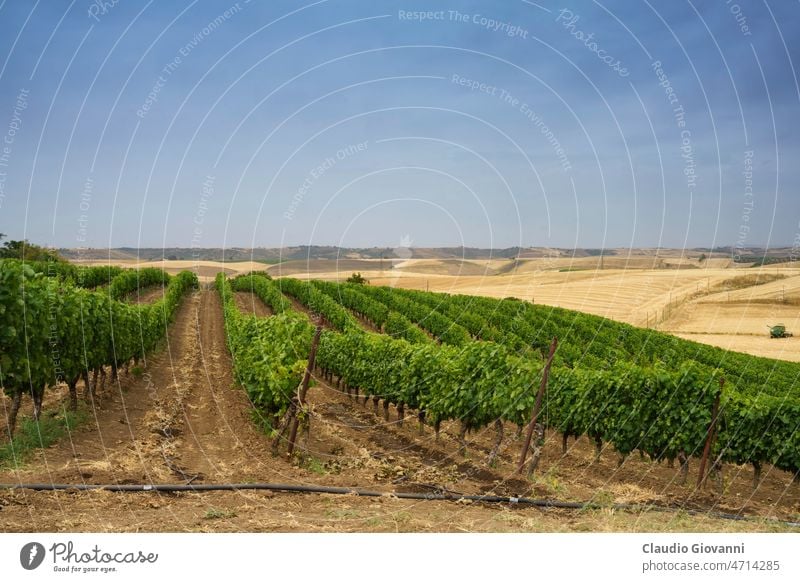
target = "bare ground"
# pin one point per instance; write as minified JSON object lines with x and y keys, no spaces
{"x":248,"y":303}
{"x":349,"y":445}
{"x":147,"y":294}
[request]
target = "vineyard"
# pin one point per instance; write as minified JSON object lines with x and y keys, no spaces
{"x":447,"y":384}
{"x":478,"y":361}
{"x":63,"y":324}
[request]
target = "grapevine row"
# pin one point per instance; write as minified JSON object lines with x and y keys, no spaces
{"x":440,"y":326}
{"x":599,"y":342}
{"x":391,"y":322}
{"x":318,"y":302}
{"x":131,"y":281}
{"x":659,"y":408}
{"x":265,"y":289}
{"x":269,"y":353}
{"x":53,"y":332}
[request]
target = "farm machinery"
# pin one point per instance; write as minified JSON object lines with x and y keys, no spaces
{"x":778,"y":331}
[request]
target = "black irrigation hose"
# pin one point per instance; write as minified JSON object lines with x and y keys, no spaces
{"x":541,"y":503}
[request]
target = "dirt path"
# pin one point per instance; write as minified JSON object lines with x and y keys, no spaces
{"x":300,"y":308}
{"x":147,"y":295}
{"x":250,"y":303}
{"x":370,"y":449}
{"x":365,"y":323}
{"x":218,"y":432}
{"x":182,"y":418}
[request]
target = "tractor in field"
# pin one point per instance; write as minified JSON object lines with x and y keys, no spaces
{"x":778,"y":331}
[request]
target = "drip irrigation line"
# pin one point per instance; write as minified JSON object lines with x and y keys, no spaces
{"x":356,"y":491}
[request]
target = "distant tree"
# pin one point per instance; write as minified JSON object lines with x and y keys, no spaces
{"x":702,"y":257}
{"x":22,"y":249}
{"x":358,"y":279}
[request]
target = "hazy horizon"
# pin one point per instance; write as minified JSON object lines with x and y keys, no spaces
{"x":441,"y":246}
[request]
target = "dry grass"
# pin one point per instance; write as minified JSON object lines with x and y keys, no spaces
{"x":267,"y":512}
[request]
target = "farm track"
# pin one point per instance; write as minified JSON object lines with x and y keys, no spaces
{"x":185,"y":420}
{"x":300,"y":308}
{"x":249,"y":303}
{"x":181,"y":417}
{"x":147,"y":295}
{"x":365,"y":324}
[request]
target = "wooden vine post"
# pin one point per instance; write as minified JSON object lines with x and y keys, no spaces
{"x":710,"y":435}
{"x":299,"y":401}
{"x":536,"y":407}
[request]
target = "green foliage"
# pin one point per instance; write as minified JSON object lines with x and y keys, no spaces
{"x":25,"y":251}
{"x":87,"y":277}
{"x":351,"y":299}
{"x":52,"y":331}
{"x":468,"y":312}
{"x":34,"y":435}
{"x":391,"y":322}
{"x":357,"y":279}
{"x":318,"y":302}
{"x":439,"y":325}
{"x":400,"y":327}
{"x":24,"y":358}
{"x":633,"y":388}
{"x":269,"y":353}
{"x":760,"y":428}
{"x":265,"y":289}
{"x":134,"y":280}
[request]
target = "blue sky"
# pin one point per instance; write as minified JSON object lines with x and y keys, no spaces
{"x":491,"y":124}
